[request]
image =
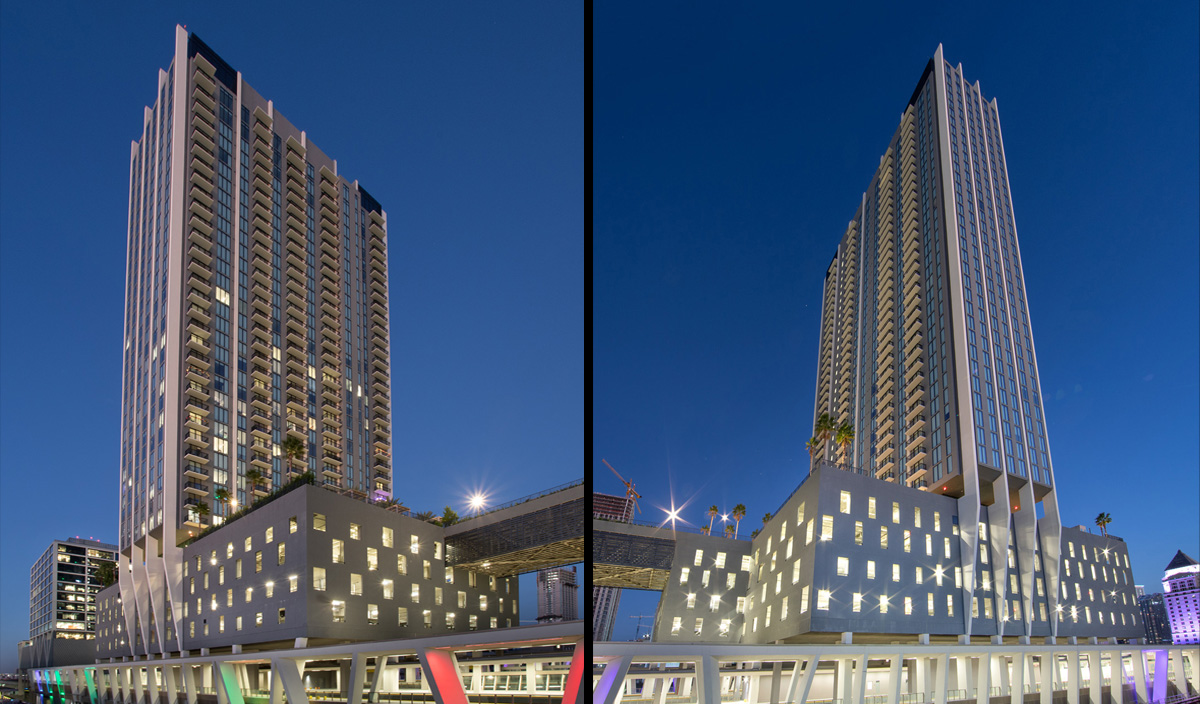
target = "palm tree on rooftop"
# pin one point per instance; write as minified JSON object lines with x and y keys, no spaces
{"x":844,"y":436}
{"x":814,"y":446}
{"x":739,"y":512}
{"x":706,"y":529}
{"x":728,"y":531}
{"x":221,"y":496}
{"x":253,"y":478}
{"x":713,"y":512}
{"x":766,"y":520}
{"x":202,"y":510}
{"x":825,"y":429}
{"x":1103,"y":520}
{"x":294,"y":449}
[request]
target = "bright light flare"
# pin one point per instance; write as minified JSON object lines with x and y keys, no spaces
{"x":478,"y":501}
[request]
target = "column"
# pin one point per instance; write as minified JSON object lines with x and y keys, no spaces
{"x":287,"y":671}
{"x":1159,"y":694}
{"x":352,"y":685}
{"x":1095,"y":677}
{"x":187,"y":673}
{"x":983,"y":678}
{"x":225,"y":682}
{"x":708,"y":680}
{"x":893,"y":693}
{"x":1177,"y":670}
{"x":1016,"y":680}
{"x":573,"y":689}
{"x":1072,"y":676}
{"x":440,"y":669}
{"x":1139,"y":674}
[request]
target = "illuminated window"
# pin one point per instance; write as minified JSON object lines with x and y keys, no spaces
{"x":800,"y":514}
{"x":908,"y":606}
{"x":745,"y":563}
{"x":730,"y":580}
{"x":355,"y":584}
{"x":437,"y":550}
{"x":987,"y":608}
{"x":822,"y":600}
{"x":907,"y":541}
{"x":249,"y":594}
{"x":221,"y":624}
{"x":388,"y":592}
{"x":858,"y":533}
{"x":870,"y":569}
{"x":691,"y":601}
{"x":723,"y":628}
{"x":937,"y":522}
{"x":339,"y":552}
{"x":221,"y":574}
{"x":339,"y":611}
{"x":415,"y":595}
{"x":917,"y":516}
{"x":237,"y":568}
{"x":238,"y":623}
{"x":843,"y":566}
{"x":946,"y":547}
{"x":683,"y":574}
{"x":676,"y":625}
{"x":426,"y":570}
{"x":270,"y":535}
{"x":319,"y":579}
{"x":714,"y":602}
{"x":249,"y":543}
{"x":844,"y":503}
{"x":229,"y":597}
{"x":437,"y":596}
{"x":789,"y":548}
{"x":699,"y":558}
{"x":949,"y":605}
{"x":804,"y":599}
{"x":929,"y":603}
{"x":920,"y":575}
{"x":258,"y":561}
{"x":895,"y":512}
{"x":270,"y":589}
{"x":292,"y":524}
{"x":856,"y":602}
{"x":720,"y":563}
{"x":826,"y":527}
{"x":808,"y":532}
{"x":795,"y":571}
{"x":778,"y":582}
{"x":414,"y":544}
{"x":883,"y":537}
{"x":871,"y":507}
{"x":402,"y":616}
{"x":229,"y":550}
{"x":883,"y":603}
{"x":282,"y":553}
{"x":741,"y":604}
{"x":258,"y":619}
{"x":372,"y":614}
{"x":766,"y":622}
{"x":983,"y":532}
{"x":895,"y":572}
{"x":372,"y":559}
{"x":293,"y":583}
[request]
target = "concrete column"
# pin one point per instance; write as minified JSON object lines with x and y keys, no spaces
{"x":1095,"y":677}
{"x":1117,"y":674}
{"x":276,"y":687}
{"x":776,"y":676}
{"x":999,"y":672}
{"x":1159,"y":693}
{"x":893,"y":693}
{"x":531,"y":673}
{"x":941,"y":678}
{"x":608,"y":689}
{"x":708,"y":679}
{"x":842,"y":680}
{"x":752,"y":694}
{"x":1176,"y":670}
{"x":962,"y":673}
{"x":800,"y":682}
{"x":1139,"y":674}
{"x":225,"y":682}
{"x":1046,"y":666}
{"x":377,"y":678}
{"x":352,"y":685}
{"x":152,"y":684}
{"x":170,"y":684}
{"x":1017,"y":678}
{"x":187,"y":673}
{"x":1072,"y":676}
{"x":983,"y":678}
{"x":687,"y":686}
{"x":289,"y":676}
{"x":89,"y":677}
{"x":573,"y":688}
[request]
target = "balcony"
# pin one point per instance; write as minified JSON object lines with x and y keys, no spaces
{"x":198,"y":344}
{"x":332,"y":473}
{"x":917,"y":407}
{"x":195,"y":455}
{"x":196,"y":390}
{"x":915,"y":456}
{"x":331,"y":419}
{"x":915,"y":438}
{"x":333,"y":458}
{"x":916,"y":472}
{"x":260,"y":402}
{"x":263,"y":462}
{"x":195,"y":421}
{"x":294,"y":227}
{"x":885,"y":437}
{"x":195,"y":488}
{"x":296,"y":430}
{"x":195,"y":471}
{"x":259,"y":430}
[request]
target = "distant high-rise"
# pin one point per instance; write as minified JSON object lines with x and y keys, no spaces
{"x":1139,"y":590}
{"x":256,"y":313}
{"x":926,"y":348}
{"x":63,"y":584}
{"x":558,"y":595}
{"x":1154,"y":616}
{"x":605,"y":600}
{"x":1181,"y":582}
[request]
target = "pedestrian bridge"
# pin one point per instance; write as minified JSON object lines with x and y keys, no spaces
{"x":532,"y":533}
{"x":631,"y":556}
{"x":541,"y":664}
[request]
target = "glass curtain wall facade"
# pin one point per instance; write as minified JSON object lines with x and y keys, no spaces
{"x":256,"y":312}
{"x":925,"y":344}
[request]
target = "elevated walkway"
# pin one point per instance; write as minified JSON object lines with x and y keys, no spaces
{"x":631,"y":556}
{"x":529,"y":534}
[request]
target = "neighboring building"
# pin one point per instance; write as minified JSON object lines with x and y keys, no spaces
{"x":1139,"y":590}
{"x":1181,"y":582}
{"x":605,"y":600}
{"x":1154,"y":615}
{"x":319,"y":565}
{"x":256,"y":312}
{"x":941,"y":516}
{"x":63,"y":584}
{"x":558,"y":595}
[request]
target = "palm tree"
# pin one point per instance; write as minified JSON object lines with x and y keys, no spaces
{"x":202,"y":510}
{"x":825,"y":429}
{"x":253,"y":478}
{"x":1103,"y":520}
{"x":294,"y":449}
{"x":754,"y":534}
{"x":728,"y":531}
{"x":221,"y":496}
{"x":713,"y":512}
{"x":739,"y":512}
{"x":449,"y":517}
{"x":766,"y":519}
{"x":814,"y":446}
{"x":427,"y":516}
{"x":844,"y":436}
{"x":706,"y":529}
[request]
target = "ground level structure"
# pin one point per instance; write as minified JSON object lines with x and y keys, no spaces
{"x":543,"y":663}
{"x":1067,"y":673}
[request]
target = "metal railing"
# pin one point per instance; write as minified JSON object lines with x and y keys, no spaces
{"x":531,"y":497}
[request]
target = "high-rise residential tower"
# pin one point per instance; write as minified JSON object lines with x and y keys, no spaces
{"x":63,"y":584}
{"x":1181,"y":584}
{"x":605,"y":600}
{"x":256,"y":314}
{"x":925,"y":342}
{"x":558,"y":595}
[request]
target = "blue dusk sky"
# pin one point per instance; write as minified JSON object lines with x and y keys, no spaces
{"x":731,"y":148}
{"x":465,"y":121}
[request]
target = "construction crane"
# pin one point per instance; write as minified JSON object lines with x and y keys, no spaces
{"x":629,"y":492}
{"x":637,"y":630}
